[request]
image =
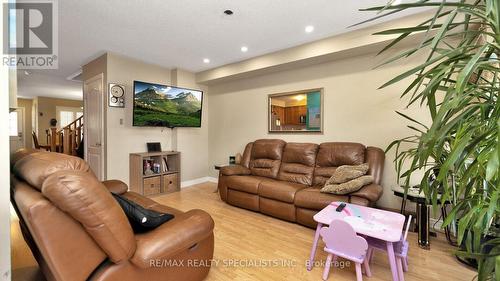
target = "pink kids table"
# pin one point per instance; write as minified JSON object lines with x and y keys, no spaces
{"x":383,"y":225}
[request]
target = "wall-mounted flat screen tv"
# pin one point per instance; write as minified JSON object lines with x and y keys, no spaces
{"x":166,"y":106}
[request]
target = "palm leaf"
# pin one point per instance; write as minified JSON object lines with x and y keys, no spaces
{"x":459,"y":83}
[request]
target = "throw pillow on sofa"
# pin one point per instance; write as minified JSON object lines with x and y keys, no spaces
{"x":347,"y":187}
{"x":140,"y":218}
{"x":346,"y":173}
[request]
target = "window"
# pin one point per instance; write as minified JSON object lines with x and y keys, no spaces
{"x":13,"y":124}
{"x":66,"y":115}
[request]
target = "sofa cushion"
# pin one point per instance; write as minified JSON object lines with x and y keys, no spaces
{"x":234,"y":170}
{"x":322,"y":174}
{"x":297,"y":164}
{"x":359,"y":200}
{"x":334,"y":154}
{"x":277,"y":209}
{"x":248,"y":184}
{"x":115,"y":186}
{"x":279,"y":190}
{"x":312,"y":198}
{"x":371,"y":192}
{"x":243,"y":200}
{"x":266,"y":157}
{"x":140,"y":218}
{"x":268,"y":149}
{"x":247,"y":153}
{"x":88,"y":201}
{"x":34,"y":168}
{"x":21,"y":153}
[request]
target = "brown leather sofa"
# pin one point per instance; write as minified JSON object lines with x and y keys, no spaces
{"x":77,"y":231}
{"x":283,"y":179}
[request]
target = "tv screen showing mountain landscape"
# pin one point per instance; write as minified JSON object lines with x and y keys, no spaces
{"x":165,"y":106}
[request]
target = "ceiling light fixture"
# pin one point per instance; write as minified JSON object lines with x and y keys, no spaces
{"x":309,"y":29}
{"x":206,"y":60}
{"x":300,"y":97}
{"x":244,"y":49}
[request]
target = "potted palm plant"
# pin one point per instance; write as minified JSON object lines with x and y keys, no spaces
{"x":459,"y":84}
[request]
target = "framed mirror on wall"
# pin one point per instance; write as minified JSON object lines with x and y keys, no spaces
{"x":297,"y":112}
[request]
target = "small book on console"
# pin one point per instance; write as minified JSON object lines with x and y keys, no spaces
{"x":165,"y":164}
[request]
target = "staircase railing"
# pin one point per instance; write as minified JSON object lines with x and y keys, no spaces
{"x":68,"y":139}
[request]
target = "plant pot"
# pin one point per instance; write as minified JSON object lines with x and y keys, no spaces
{"x":493,"y":234}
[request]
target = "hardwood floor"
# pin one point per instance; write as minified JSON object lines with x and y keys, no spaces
{"x":253,"y":239}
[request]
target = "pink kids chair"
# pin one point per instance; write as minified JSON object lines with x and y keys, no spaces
{"x":400,"y":250}
{"x":342,"y":241}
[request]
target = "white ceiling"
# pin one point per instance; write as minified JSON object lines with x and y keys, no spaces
{"x":43,"y":85}
{"x":180,"y":33}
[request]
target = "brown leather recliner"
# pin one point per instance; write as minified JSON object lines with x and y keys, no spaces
{"x":283,"y":179}
{"x":77,"y":231}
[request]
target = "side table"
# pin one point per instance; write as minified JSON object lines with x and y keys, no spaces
{"x":423,"y":213}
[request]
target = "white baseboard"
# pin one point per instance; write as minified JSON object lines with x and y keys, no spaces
{"x":213,"y":179}
{"x":197,"y":181}
{"x":193,"y":182}
{"x":439,"y":223}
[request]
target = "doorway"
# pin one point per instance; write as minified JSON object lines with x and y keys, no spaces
{"x":16,"y":129}
{"x":93,"y":100}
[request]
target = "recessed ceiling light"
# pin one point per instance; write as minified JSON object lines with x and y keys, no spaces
{"x":206,"y":60}
{"x":309,"y":28}
{"x":244,"y":49}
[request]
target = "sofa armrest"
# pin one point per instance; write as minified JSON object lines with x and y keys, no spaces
{"x":181,"y":233}
{"x":116,"y":186}
{"x":234,"y":170}
{"x":371,"y":192}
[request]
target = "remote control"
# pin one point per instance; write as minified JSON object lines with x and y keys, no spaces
{"x":340,"y":207}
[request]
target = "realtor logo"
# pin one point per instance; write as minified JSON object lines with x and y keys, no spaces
{"x":30,"y":34}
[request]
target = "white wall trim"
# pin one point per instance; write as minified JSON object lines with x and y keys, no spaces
{"x":437,"y":224}
{"x":213,"y":179}
{"x":193,"y":182}
{"x":198,"y":181}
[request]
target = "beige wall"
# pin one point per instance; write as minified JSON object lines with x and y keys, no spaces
{"x":95,"y":67}
{"x":47,"y":110}
{"x":123,"y":139}
{"x":27,"y":104}
{"x":193,"y":142}
{"x":354,"y":110}
{"x":12,"y":88}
